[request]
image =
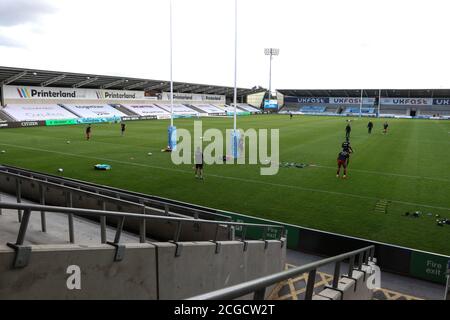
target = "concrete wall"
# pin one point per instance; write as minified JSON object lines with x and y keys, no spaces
{"x":145,"y":268}
{"x":45,"y":276}
{"x":56,"y":195}
{"x":199,"y":269}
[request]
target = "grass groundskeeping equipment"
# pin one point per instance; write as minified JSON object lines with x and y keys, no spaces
{"x":102,"y":167}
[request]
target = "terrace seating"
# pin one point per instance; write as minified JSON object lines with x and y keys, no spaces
{"x":145,"y":110}
{"x":249,"y":108}
{"x":208,"y":108}
{"x":357,"y":110}
{"x":28,"y":112}
{"x":312,"y":109}
{"x":178,"y":109}
{"x":151,"y":240}
{"x":88,"y":111}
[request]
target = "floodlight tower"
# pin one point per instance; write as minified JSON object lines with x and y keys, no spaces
{"x":271,"y":52}
{"x":235,"y":136}
{"x":172,"y":129}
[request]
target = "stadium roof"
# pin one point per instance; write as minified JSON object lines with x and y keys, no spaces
{"x":393,"y":93}
{"x":31,"y":77}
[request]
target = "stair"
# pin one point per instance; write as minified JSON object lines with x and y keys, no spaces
{"x":125,"y":110}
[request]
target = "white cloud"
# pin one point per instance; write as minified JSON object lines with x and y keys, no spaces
{"x":323,"y":43}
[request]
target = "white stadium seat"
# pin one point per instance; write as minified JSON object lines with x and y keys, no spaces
{"x":146,"y":110}
{"x":208,"y":108}
{"x":178,"y":109}
{"x":94,"y":111}
{"x":35,"y":112}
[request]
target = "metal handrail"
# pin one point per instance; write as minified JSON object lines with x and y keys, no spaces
{"x":22,"y":173}
{"x":77,"y":190}
{"x":258,"y":286}
{"x":29,"y":208}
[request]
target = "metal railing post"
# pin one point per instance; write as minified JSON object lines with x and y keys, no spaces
{"x":166,"y":209}
{"x":310,"y":284}
{"x":119,"y":229}
{"x":337,"y":274}
{"x":23,"y":227}
{"x":142,"y":228}
{"x":360,"y":260}
{"x":351,"y":264}
{"x":260,"y":294}
{"x":19,"y":198}
{"x":103,"y":224}
{"x":177,"y":232}
{"x":70,"y":219}
{"x":42,"y":201}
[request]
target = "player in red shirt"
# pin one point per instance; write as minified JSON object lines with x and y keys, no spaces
{"x":342,"y":162}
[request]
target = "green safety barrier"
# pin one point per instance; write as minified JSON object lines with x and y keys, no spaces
{"x":428,"y":266}
{"x":256,"y":233}
{"x":64,"y":122}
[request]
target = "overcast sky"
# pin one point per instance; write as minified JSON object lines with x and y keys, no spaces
{"x":323,"y":43}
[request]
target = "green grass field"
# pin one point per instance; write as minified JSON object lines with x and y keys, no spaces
{"x":410,"y":167}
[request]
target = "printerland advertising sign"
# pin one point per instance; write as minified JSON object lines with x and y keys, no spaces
{"x":48,"y":93}
{"x":193,"y":97}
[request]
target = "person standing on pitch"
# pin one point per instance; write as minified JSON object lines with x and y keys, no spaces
{"x":348,"y":149}
{"x":370,"y":126}
{"x":199,"y":163}
{"x":348,"y":130}
{"x":88,"y":132}
{"x":385,"y":127}
{"x":342,"y":162}
{"x":290,"y":115}
{"x":122,"y":128}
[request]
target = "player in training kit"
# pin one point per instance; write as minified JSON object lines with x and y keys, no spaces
{"x":342,"y":162}
{"x":385,"y":127}
{"x":348,"y":149}
{"x":370,"y":126}
{"x":122,"y":128}
{"x":348,"y":130}
{"x":290,"y":115}
{"x":88,"y":132}
{"x":199,"y":164}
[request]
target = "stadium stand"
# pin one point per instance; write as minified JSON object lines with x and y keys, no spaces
{"x":124,"y":110}
{"x":145,"y":110}
{"x":28,"y":112}
{"x":433,"y":110}
{"x":89,"y":111}
{"x":154,"y":241}
{"x":4,"y":116}
{"x":249,"y":108}
{"x":312,"y":109}
{"x":357,"y":110}
{"x":230,"y":110}
{"x":207,"y":108}
{"x":393,"y":110}
{"x":178,"y":109}
{"x":333,"y":110}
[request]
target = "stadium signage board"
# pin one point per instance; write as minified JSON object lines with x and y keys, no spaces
{"x":313,"y":100}
{"x":407,"y":101}
{"x":270,"y":104}
{"x":97,"y":120}
{"x":49,"y":93}
{"x":22,"y":124}
{"x":64,"y":122}
{"x":194,"y":97}
{"x":441,"y":102}
{"x":348,"y":100}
